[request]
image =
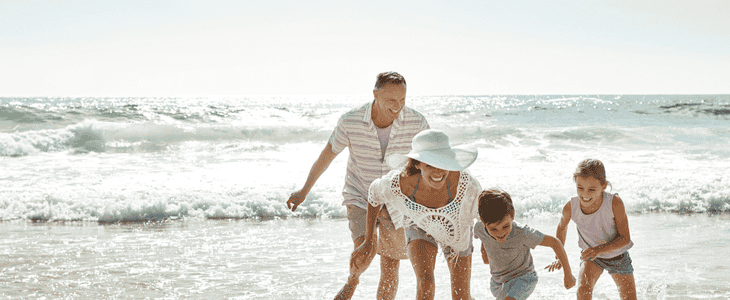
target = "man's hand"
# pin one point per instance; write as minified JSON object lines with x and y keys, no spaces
{"x":295,"y":199}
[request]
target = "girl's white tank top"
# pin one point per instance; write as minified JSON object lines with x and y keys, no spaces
{"x":597,"y":228}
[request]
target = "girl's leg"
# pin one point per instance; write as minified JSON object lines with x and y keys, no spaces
{"x":423,"y":258}
{"x":460,"y":277}
{"x":388,"y":278}
{"x":589,"y":274}
{"x":626,"y":286}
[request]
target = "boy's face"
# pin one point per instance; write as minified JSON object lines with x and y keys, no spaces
{"x":500,"y":230}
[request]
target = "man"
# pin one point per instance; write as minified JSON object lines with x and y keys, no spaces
{"x":372,"y":132}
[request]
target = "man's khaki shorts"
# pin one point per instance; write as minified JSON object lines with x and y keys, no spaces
{"x":391,"y":241}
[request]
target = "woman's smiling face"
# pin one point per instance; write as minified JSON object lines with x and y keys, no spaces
{"x":435,"y":178}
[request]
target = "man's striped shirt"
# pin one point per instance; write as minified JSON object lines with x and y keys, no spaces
{"x":355,"y":130}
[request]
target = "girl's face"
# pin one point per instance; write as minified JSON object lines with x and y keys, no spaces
{"x":435,"y":178}
{"x":590,"y":190}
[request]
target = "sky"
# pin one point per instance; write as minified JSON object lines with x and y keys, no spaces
{"x":281,"y":47}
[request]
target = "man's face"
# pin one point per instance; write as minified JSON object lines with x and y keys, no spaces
{"x":500,"y":230}
{"x":389,"y":100}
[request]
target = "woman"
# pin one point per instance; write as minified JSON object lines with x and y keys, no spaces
{"x":430,"y":193}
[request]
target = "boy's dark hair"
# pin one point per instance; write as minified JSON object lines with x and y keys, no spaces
{"x":494,"y":205}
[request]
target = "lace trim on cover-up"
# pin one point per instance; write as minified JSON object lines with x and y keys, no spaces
{"x":450,"y":225}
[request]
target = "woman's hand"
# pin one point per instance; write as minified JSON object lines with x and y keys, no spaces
{"x":363,"y":256}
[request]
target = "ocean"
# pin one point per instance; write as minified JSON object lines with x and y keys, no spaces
{"x":184,"y":197}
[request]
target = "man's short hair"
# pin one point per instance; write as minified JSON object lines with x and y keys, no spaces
{"x":494,"y":205}
{"x":386,"y":78}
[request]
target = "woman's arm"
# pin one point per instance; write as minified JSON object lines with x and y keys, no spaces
{"x":364,"y":254}
{"x":372,"y":217}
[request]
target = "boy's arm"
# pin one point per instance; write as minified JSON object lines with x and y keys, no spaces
{"x":485,"y":258}
{"x":552,"y":242}
{"x":622,"y":238}
{"x":323,"y":161}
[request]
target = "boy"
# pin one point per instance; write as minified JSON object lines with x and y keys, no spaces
{"x":506,"y":248}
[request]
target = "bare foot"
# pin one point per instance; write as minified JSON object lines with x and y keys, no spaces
{"x":348,"y":290}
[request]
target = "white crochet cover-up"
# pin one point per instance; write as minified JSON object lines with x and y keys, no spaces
{"x":450,"y":225}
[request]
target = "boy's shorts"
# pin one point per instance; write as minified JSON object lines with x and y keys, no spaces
{"x":518,"y":288}
{"x":414,"y":232}
{"x":616,"y":265}
{"x":391,"y":241}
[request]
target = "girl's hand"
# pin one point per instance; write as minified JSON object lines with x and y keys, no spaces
{"x":590,"y":254}
{"x":554,"y":266}
{"x":363,"y":256}
{"x":568,"y":281}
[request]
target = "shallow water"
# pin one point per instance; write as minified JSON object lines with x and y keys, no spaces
{"x":675,"y":257}
{"x":127,"y":192}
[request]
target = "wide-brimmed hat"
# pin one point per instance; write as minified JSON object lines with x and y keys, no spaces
{"x":432,"y":147}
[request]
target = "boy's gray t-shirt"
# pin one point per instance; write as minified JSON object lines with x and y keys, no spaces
{"x":512,"y":258}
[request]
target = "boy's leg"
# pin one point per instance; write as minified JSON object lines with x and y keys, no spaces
{"x":589,"y":274}
{"x":423,"y":258}
{"x":460,"y":269}
{"x":626,"y":286}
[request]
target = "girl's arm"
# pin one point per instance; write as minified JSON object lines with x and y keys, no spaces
{"x":549,"y":241}
{"x":622,"y":238}
{"x":562,"y":231}
{"x":561,"y":234}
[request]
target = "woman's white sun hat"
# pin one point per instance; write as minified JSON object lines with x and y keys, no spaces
{"x":432,"y":147}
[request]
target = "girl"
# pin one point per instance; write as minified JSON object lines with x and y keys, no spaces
{"x":434,"y":198}
{"x":603,"y":232}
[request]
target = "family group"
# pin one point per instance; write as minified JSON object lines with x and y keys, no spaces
{"x":408,"y":191}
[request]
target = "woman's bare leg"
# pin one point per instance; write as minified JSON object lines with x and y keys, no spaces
{"x":460,"y":277}
{"x":389,"y":268}
{"x":423,"y":258}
